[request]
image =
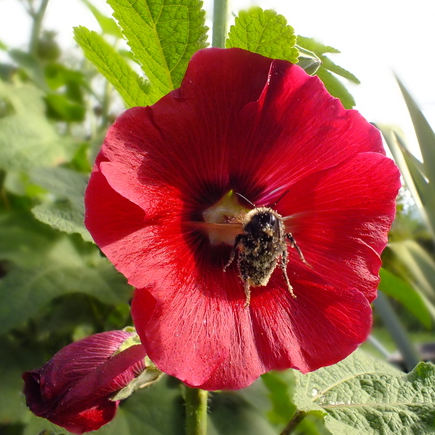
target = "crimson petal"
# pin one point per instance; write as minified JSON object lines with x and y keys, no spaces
{"x":340,"y":219}
{"x":215,"y":343}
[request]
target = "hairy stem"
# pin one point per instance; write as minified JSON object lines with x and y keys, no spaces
{"x":196,"y":411}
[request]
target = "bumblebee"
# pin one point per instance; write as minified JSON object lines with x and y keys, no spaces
{"x":260,"y":248}
{"x":258,"y":238}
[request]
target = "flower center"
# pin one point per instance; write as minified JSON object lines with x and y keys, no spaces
{"x":225,"y":218}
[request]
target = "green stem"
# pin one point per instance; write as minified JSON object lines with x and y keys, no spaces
{"x":196,"y":411}
{"x":105,"y":106}
{"x":220,"y":15}
{"x":397,"y":331}
{"x":37,"y":26}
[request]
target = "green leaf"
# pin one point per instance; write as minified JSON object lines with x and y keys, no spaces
{"x":264,"y":32}
{"x":3,"y":46}
{"x":409,"y":169}
{"x":27,"y":138}
{"x":62,"y":269}
{"x":21,"y":236}
{"x":14,"y":361}
{"x":400,"y":290}
{"x":64,"y":208}
{"x":157,"y":410}
{"x":57,"y":75}
{"x":132,"y":88}
{"x":424,"y":132}
{"x":63,"y":217}
{"x":312,"y":424}
{"x":107,"y":24}
{"x":420,"y":177}
{"x":61,"y":108}
{"x":81,"y":161}
{"x":336,"y":69}
{"x":163,"y":35}
{"x":30,"y":65}
{"x":336,"y":88}
{"x":417,"y":170}
{"x":62,"y":182}
{"x":315,"y":46}
{"x":279,"y":388}
{"x":320,"y":49}
{"x":328,"y":68}
{"x":364,"y":395}
{"x":6,"y":108}
{"x":232,"y":413}
{"x":419,"y":263}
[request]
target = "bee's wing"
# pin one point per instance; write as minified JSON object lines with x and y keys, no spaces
{"x":291,"y":224}
{"x":293,"y":219}
{"x":218,"y":233}
{"x":289,"y":221}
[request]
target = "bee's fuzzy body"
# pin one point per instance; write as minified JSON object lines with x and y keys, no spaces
{"x":261,"y":246}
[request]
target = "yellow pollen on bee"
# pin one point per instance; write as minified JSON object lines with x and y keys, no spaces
{"x":269,"y":231}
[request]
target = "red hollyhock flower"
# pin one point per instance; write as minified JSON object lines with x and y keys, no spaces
{"x":159,"y":205}
{"x":73,"y":389}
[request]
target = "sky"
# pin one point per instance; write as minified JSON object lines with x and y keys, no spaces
{"x":375,"y":37}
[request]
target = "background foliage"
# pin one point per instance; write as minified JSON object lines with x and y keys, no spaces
{"x":56,"y":286}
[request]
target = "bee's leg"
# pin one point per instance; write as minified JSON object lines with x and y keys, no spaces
{"x":293,"y":244}
{"x":239,"y":238}
{"x":247,"y":288}
{"x":283,"y":266}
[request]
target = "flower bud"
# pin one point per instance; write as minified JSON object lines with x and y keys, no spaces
{"x":74,"y":388}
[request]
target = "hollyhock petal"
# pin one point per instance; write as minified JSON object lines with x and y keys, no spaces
{"x":73,"y":389}
{"x":113,"y":375}
{"x":336,"y":320}
{"x":175,"y":345}
{"x":125,"y":217}
{"x":127,"y":237}
{"x":66,"y":367}
{"x":299,"y":129}
{"x":217,"y":85}
{"x":191,"y":339}
{"x":341,"y":217}
{"x":122,"y":236}
{"x":88,"y":419}
{"x":233,"y":346}
{"x":255,"y":108}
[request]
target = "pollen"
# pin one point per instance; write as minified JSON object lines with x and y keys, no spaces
{"x":228,"y":214}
